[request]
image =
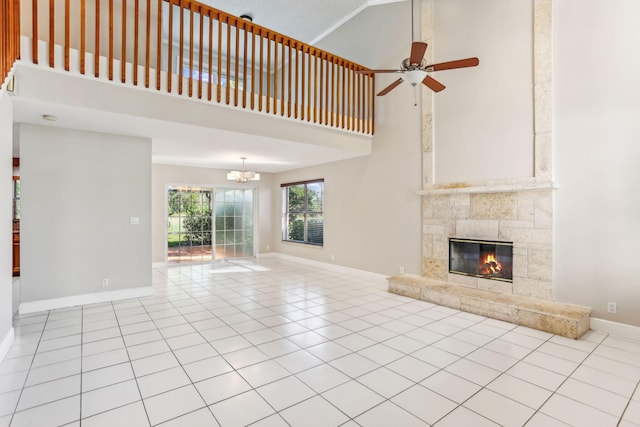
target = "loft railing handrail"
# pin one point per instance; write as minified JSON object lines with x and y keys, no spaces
{"x":181,"y":41}
{"x":9,"y":36}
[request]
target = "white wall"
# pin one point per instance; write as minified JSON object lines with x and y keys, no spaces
{"x":165,"y":175}
{"x":6,"y":235}
{"x":372,"y":212}
{"x":597,"y":133}
{"x":483,"y":120}
{"x":79,"y":190}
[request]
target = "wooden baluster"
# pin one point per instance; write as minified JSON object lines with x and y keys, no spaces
{"x":253,"y":68}
{"x":147,"y":63}
{"x":200,"y":54}
{"x":372,"y":102}
{"x":282,"y":78}
{"x":83,"y":30}
{"x":180,"y":63}
{"x":327,"y":105}
{"x":309,"y":79}
{"x":159,"y":46}
{"x":170,"y":50}
{"x":244,"y":68}
{"x":268,"y":73}
{"x":289,"y":80}
{"x":237,"y":67}
{"x":343,"y":98}
{"x":295,"y":102}
{"x":66,"y":34}
{"x":52,"y":39}
{"x":96,"y":53}
{"x":123,"y":57}
{"x":333,"y":90}
{"x":219,"y":73}
{"x":302,"y":85}
{"x":136,"y":28}
{"x":275,"y":75}
{"x":315,"y":86}
{"x":34,"y":31}
{"x":353,"y":97}
{"x":210,"y":80}
{"x":261,"y":70}
{"x":228,"y":86}
{"x":190,"y":50}
{"x":321,"y":87}
{"x":110,"y":67}
{"x":359,"y":95}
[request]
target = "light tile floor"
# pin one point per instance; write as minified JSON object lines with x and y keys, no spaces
{"x":275,"y":343}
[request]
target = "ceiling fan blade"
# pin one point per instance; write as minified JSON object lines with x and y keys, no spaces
{"x":460,"y":63}
{"x":433,"y":84}
{"x":389,"y":88}
{"x":376,"y":71}
{"x":417,"y":52}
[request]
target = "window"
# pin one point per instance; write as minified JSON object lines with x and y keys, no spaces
{"x":302,"y":212}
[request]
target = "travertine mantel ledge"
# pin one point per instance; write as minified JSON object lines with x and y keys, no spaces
{"x":568,"y":320}
{"x":501,"y":186}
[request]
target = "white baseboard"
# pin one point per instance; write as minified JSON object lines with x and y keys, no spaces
{"x":328,"y":266}
{"x":5,"y":345}
{"x":620,"y":330}
{"x":54,"y":303}
{"x":159,"y":264}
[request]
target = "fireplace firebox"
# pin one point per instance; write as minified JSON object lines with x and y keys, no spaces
{"x":481,"y":258}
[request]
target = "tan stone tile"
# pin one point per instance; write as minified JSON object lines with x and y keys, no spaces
{"x":543,"y":167}
{"x":434,"y":268}
{"x":495,"y":286}
{"x":462,"y":280}
{"x":525,"y":206}
{"x":494,"y":206}
{"x":543,"y":108}
{"x":477,"y":229}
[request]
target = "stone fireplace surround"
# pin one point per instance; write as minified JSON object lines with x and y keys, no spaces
{"x":513,"y":212}
{"x":519,"y":210}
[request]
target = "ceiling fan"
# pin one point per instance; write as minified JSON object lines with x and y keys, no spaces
{"x":414,"y":69}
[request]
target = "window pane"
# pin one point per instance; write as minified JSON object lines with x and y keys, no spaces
{"x":295,"y":227}
{"x":295,"y":198}
{"x":315,"y":229}
{"x":314,"y":197}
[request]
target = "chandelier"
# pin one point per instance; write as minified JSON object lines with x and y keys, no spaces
{"x":243,"y":176}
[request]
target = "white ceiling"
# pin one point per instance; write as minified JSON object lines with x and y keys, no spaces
{"x":304,"y":20}
{"x":188,"y":145}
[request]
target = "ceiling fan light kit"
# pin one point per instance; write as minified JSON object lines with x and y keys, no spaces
{"x":414,"y":69}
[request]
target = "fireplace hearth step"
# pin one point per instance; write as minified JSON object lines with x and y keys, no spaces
{"x":567,"y":320}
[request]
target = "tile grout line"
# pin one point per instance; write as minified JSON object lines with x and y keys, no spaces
{"x":636,"y":388}
{"x":566,"y":378}
{"x":130,"y":364}
{"x":15,"y":410}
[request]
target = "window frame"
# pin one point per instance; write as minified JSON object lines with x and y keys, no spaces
{"x":306,"y":213}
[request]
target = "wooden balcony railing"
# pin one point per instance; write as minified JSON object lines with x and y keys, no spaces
{"x":187,"y":48}
{"x":9,"y":36}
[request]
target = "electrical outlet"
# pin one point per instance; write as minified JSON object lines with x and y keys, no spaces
{"x":105,"y":282}
{"x":612,"y":307}
{"x":401,"y":270}
{"x":268,"y":247}
{"x":333,"y":257}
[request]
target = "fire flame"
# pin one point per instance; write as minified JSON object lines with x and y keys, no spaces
{"x":490,"y":265}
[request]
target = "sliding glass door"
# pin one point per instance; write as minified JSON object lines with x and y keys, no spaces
{"x":206,"y":223}
{"x":234,"y":210}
